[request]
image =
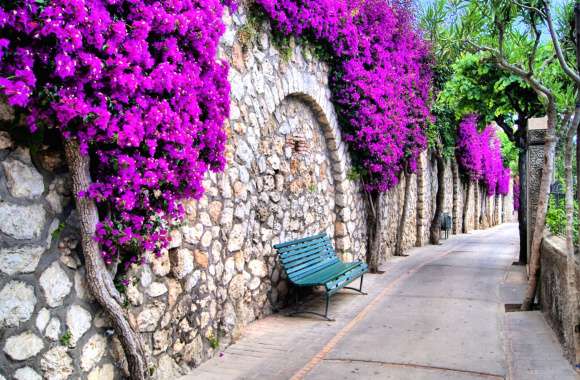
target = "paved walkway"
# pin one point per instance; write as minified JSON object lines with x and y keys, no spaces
{"x":437,"y":314}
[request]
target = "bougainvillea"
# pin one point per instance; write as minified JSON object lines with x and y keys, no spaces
{"x":469,"y":155}
{"x":380,"y":77}
{"x":138,"y":84}
{"x":492,"y":163}
{"x":503,"y":183}
{"x":479,"y":156}
{"x":517,"y":200}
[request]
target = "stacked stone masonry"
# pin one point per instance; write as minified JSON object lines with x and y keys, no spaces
{"x":286,"y":177}
{"x":554,"y":291}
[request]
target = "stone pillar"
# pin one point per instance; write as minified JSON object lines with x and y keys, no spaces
{"x":534,"y":162}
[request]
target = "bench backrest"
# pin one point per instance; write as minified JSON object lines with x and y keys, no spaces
{"x":303,"y":257}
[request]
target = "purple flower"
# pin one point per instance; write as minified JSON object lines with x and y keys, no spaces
{"x":479,"y":156}
{"x":381,"y":78}
{"x":138,"y":84}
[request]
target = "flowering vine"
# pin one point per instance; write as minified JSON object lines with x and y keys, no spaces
{"x":479,"y":156}
{"x":137,"y":83}
{"x":380,"y":77}
{"x":517,"y":197}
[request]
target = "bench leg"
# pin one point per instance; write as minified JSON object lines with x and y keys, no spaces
{"x":298,"y":311}
{"x":359,"y":288}
{"x":326,"y":308}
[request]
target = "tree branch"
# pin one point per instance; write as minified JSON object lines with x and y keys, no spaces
{"x":540,"y":89}
{"x":529,"y":7}
{"x":546,"y":63}
{"x":537,"y":35}
{"x":505,"y":127}
{"x":567,"y":69}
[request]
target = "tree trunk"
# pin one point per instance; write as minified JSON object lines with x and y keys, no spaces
{"x":522,"y":223}
{"x":570,"y":254}
{"x":99,"y":281}
{"x":455,"y":211}
{"x":403,"y":218}
{"x":435,"y":229}
{"x":483,"y":221}
{"x":420,"y":203}
{"x":476,"y":206}
{"x":374,"y":225}
{"x":577,"y":30}
{"x":540,"y":222}
{"x":466,"y":207}
{"x":578,"y":165}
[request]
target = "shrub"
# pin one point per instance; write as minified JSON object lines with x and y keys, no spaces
{"x":556,"y":218}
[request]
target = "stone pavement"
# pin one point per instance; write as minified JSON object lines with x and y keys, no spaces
{"x":437,"y":314}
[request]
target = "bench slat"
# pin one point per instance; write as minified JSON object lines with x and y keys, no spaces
{"x":300,"y":244}
{"x":318,"y":250}
{"x":304,"y":255}
{"x":329,"y":274}
{"x":294,"y":242}
{"x":308,"y":268}
{"x":293,"y":267}
{"x":296,"y":266}
{"x":302,"y":249}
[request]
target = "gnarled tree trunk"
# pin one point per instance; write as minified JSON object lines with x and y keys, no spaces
{"x":435,"y":229}
{"x":540,"y":223}
{"x":466,"y":207}
{"x":374,"y":225}
{"x":99,"y":281}
{"x":578,"y":165}
{"x":570,"y":250}
{"x":403,"y":218}
{"x":476,"y":206}
{"x":522,"y":222}
{"x":455,"y":211}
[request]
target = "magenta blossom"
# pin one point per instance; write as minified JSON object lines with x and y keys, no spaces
{"x":380,"y":77}
{"x":137,"y":83}
{"x":479,"y":156}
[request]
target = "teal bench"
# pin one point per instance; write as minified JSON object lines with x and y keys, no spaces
{"x":312,"y":261}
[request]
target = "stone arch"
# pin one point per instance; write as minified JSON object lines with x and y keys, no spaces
{"x":309,"y":90}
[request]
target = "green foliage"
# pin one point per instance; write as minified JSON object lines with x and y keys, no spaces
{"x":66,"y":338}
{"x":478,"y":86}
{"x":509,"y":152}
{"x":284,"y":44}
{"x":442,"y":133}
{"x":437,"y":20}
{"x":354,"y":174}
{"x":553,"y":76}
{"x":214,"y":341}
{"x":556,"y":218}
{"x":486,"y":22}
{"x":56,"y":233}
{"x":121,"y":283}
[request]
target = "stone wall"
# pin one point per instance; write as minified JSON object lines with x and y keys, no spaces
{"x":44,"y":305}
{"x":554,"y":291}
{"x":286,"y":177}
